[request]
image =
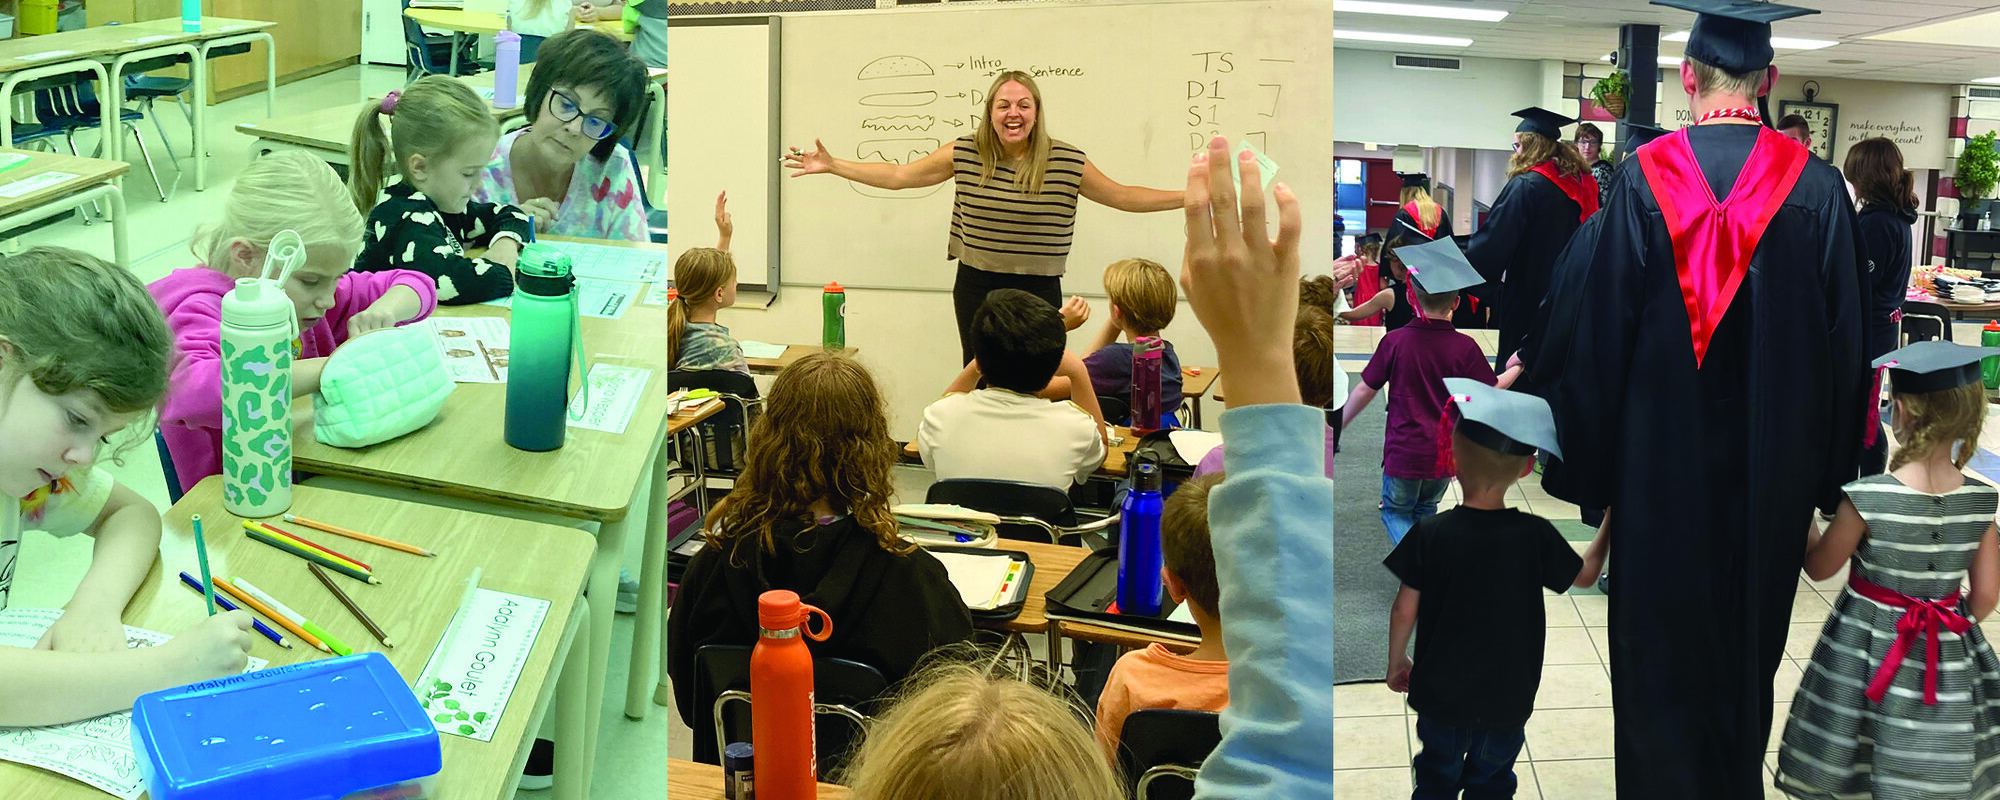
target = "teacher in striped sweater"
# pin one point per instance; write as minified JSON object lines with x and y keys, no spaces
{"x":1014,"y":211}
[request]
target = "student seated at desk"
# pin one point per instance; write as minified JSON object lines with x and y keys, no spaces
{"x":1320,"y":377}
{"x":810,"y":513}
{"x":1004,"y":431}
{"x":290,"y":190}
{"x":1156,"y":677}
{"x":1143,"y":298}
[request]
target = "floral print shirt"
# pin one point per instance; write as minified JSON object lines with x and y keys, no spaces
{"x":603,"y":201}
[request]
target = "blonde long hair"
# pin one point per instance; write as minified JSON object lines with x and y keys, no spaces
{"x":699,"y":273}
{"x":1536,"y":148}
{"x":986,"y":141}
{"x":433,"y":115}
{"x":292,"y":190}
{"x":1428,"y":210}
{"x":1932,"y":420}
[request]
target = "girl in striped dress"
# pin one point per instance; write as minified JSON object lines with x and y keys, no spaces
{"x":1902,"y":699}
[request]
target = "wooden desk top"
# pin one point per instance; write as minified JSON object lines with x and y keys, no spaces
{"x":326,"y":128}
{"x":687,"y":417}
{"x":1194,"y":386}
{"x":793,"y":352}
{"x":1115,"y":461}
{"x":1123,"y":638}
{"x":88,"y":171}
{"x":687,"y":780}
{"x":1053,"y":562}
{"x":109,"y":40}
{"x":414,"y":604}
{"x":461,"y":453}
{"x":487,"y":23}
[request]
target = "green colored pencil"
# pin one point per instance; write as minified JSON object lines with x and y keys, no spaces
{"x":201,"y":555}
{"x":313,"y":557}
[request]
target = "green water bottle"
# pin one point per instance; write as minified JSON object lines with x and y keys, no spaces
{"x":1989,"y":367}
{"x":543,"y":336}
{"x":833,"y":319}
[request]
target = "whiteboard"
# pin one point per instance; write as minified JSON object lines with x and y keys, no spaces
{"x":1138,"y":86}
{"x":722,"y":136}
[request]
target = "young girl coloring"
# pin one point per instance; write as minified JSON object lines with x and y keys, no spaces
{"x":441,"y":136}
{"x":83,"y":355}
{"x":1903,"y":695}
{"x":295,"y":191}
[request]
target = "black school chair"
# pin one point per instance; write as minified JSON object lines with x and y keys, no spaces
{"x":845,"y":694}
{"x":740,"y":407}
{"x":1028,"y":512}
{"x":1923,"y":322}
{"x":1160,"y":749}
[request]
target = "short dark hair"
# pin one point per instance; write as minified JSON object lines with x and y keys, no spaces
{"x":1313,"y":357}
{"x":1018,"y":339}
{"x":1184,"y":544}
{"x":590,"y":58}
{"x":1589,"y":131}
{"x":1794,"y":121}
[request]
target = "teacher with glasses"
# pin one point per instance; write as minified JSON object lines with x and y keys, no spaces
{"x":566,"y":167}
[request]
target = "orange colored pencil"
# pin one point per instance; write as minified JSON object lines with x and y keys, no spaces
{"x":274,"y":616}
{"x":359,"y":536}
{"x":291,"y":543}
{"x":269,"y":528}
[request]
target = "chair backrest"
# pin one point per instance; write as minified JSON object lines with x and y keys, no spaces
{"x":836,"y":681}
{"x":1008,"y":499}
{"x":1156,"y":737}
{"x":174,"y":490}
{"x":1932,"y":321}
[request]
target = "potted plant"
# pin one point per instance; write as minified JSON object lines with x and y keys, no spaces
{"x":1978,"y":170}
{"x":1610,"y":93}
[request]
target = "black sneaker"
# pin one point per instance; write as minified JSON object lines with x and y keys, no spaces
{"x":540,"y":771}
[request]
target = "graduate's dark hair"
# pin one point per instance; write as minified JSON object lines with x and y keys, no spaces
{"x":1589,"y":131}
{"x":1793,"y":121}
{"x":1439,"y":304}
{"x":1018,"y":339}
{"x":590,"y":58}
{"x":1875,"y":167}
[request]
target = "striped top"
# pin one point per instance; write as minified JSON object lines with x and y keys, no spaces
{"x":997,"y":229}
{"x":1918,"y":544}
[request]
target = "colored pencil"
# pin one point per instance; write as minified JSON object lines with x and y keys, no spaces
{"x":301,"y":544}
{"x":338,"y":647}
{"x":201,"y":555}
{"x":349,"y":602}
{"x":228,"y":606}
{"x":269,"y":613}
{"x":358,"y":536}
{"x":312,"y":556}
{"x":314,"y":545}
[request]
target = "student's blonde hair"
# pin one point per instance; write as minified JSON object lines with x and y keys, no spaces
{"x":965,"y":732}
{"x":1144,"y":291}
{"x":986,"y":141}
{"x":287,"y":190}
{"x":1928,"y":421}
{"x":1711,"y":80}
{"x":71,"y":321}
{"x":433,"y":116}
{"x":1536,"y":148}
{"x":1428,"y":211}
{"x":699,"y":273}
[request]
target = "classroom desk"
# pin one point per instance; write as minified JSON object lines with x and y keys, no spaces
{"x":1114,"y":466}
{"x":1193,"y":387}
{"x":687,"y":780}
{"x":215,"y":32}
{"x":594,"y":476}
{"x":1053,"y":562}
{"x":95,"y":179}
{"x":793,"y":352}
{"x":414,"y":604}
{"x":463,"y":23}
{"x":1960,"y":310}
{"x":328,"y":131}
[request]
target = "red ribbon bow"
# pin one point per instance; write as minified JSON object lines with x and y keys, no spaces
{"x":1927,"y":618}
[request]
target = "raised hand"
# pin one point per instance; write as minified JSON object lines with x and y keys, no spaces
{"x":1242,"y":286}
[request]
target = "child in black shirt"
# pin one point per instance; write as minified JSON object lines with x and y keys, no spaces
{"x":1473,"y":577}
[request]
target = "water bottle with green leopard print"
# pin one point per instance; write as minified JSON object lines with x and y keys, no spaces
{"x":259,"y":327}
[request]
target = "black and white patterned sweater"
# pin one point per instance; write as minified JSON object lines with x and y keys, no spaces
{"x":407,"y":231}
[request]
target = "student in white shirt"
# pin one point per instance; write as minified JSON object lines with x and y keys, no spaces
{"x":1003,"y":431}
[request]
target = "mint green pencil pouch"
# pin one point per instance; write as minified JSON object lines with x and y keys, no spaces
{"x":380,"y":386}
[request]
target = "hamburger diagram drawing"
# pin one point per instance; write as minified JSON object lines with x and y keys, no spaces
{"x":896,"y":128}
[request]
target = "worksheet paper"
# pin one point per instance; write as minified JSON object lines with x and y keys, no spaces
{"x":474,"y":348}
{"x":761,"y":349}
{"x":612,"y":263}
{"x":595,"y":298}
{"x":97,"y":751}
{"x":977,"y":577}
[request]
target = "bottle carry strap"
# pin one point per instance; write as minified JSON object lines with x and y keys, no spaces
{"x":576,"y":343}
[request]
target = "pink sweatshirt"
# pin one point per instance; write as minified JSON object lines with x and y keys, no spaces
{"x":191,"y":413}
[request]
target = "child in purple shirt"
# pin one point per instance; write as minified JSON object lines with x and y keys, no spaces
{"x":1416,"y":358}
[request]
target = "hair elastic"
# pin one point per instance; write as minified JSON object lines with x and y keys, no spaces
{"x":389,"y":102}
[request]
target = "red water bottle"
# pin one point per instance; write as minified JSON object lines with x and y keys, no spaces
{"x":781,"y":698}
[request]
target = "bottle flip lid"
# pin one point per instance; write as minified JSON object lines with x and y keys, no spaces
{"x":1147,"y":476}
{"x":261,"y":301}
{"x":781,"y":610}
{"x":1147,"y":347}
{"x":543,"y":261}
{"x":835,"y":288}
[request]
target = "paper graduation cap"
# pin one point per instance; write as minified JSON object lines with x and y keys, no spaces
{"x":1733,"y":34}
{"x":1417,"y":179}
{"x":1439,"y":266}
{"x":1509,"y":422}
{"x":1934,"y":366}
{"x":1636,"y":136}
{"x":1543,"y":121}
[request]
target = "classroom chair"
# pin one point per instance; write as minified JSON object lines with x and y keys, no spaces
{"x":722,"y":433}
{"x":845,"y":695}
{"x":1028,"y":512}
{"x":76,"y":107}
{"x":174,"y":490}
{"x":1160,"y":749}
{"x":431,"y":55}
{"x":1923,"y":322}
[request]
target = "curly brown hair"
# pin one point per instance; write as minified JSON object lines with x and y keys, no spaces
{"x":1932,"y":420}
{"x":823,"y":436}
{"x":1321,"y":292}
{"x":1536,"y":148}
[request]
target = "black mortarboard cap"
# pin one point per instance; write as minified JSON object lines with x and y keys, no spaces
{"x":1513,"y":423}
{"x":1404,"y":232}
{"x":1543,"y":121}
{"x":1417,"y":179}
{"x":1733,"y":34}
{"x":1636,"y":136}
{"x":1934,"y":366}
{"x":1439,"y":266}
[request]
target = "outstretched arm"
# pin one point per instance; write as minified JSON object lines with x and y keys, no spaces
{"x":1100,"y":189}
{"x":930,"y":170}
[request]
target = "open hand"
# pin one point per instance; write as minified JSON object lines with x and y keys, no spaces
{"x":813,"y":163}
{"x":1242,"y":286}
{"x":1075,"y":313}
{"x":84,"y":632}
{"x":724,"y":225}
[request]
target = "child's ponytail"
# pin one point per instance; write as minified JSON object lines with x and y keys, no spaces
{"x":368,"y":154}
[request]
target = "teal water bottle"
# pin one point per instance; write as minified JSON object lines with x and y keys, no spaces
{"x":1989,"y":367}
{"x":542,"y":336}
{"x":833,"y":317}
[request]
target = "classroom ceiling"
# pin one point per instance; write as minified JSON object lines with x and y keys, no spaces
{"x":1922,"y":41}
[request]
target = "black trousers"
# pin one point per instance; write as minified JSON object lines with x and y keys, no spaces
{"x":970,"y":290}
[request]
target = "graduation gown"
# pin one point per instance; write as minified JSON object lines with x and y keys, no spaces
{"x":1515,"y":250}
{"x":1712,"y":470}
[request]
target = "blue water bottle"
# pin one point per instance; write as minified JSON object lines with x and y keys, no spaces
{"x":1139,"y":558}
{"x":543,"y":333}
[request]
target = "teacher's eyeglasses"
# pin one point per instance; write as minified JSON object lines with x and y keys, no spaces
{"x":567,"y":109}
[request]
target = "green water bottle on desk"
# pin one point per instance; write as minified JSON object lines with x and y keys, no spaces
{"x":1989,"y":367}
{"x":833,"y":320}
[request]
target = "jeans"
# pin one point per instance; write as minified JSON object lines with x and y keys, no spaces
{"x":1476,"y":761}
{"x":1405,"y":500}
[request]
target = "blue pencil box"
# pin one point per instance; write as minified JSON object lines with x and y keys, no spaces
{"x":336,"y":729}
